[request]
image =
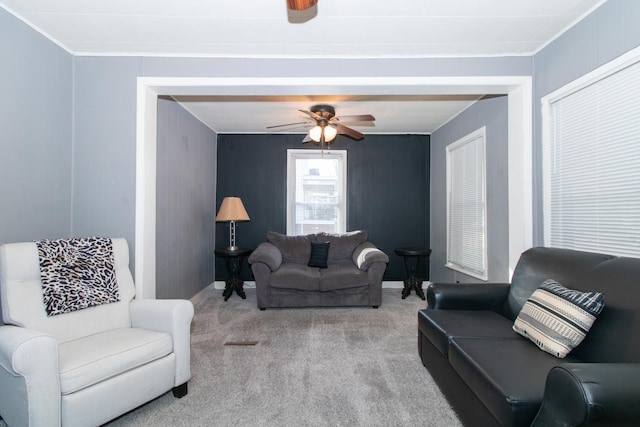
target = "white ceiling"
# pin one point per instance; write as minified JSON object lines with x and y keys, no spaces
{"x":334,"y":28}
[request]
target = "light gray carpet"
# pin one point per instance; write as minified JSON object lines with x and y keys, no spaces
{"x":312,"y":366}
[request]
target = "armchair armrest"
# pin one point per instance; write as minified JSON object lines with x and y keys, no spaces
{"x":461,"y":296}
{"x":29,"y":380}
{"x":366,"y":254}
{"x":268,"y":254}
{"x":171,"y":316}
{"x":591,"y":394}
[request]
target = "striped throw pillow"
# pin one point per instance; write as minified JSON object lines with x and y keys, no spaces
{"x":557,"y":319}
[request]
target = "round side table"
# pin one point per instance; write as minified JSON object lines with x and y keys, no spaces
{"x":414,"y":273}
{"x":233,"y":259}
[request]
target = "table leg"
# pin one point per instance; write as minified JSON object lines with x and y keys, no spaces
{"x":417,"y":284}
{"x":234,"y":283}
{"x":413,"y":281}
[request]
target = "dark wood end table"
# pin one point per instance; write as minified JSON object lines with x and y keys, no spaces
{"x":415,"y":273}
{"x":234,"y":258}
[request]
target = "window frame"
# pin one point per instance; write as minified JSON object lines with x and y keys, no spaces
{"x":295,"y":154}
{"x":455,"y":261}
{"x":589,"y":80}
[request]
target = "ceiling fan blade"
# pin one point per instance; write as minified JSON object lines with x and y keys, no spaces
{"x":351,"y":133}
{"x":356,"y":118}
{"x":289,"y":124}
{"x":306,"y":139}
{"x":311,"y":114}
{"x":301,"y":4}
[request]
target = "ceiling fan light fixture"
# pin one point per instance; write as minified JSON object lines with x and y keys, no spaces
{"x":315,"y":133}
{"x":330,"y":133}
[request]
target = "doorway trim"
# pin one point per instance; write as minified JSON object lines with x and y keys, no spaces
{"x":518,"y":89}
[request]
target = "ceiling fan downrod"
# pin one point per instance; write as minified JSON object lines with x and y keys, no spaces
{"x":301,"y":4}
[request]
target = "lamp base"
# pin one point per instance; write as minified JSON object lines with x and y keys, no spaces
{"x":232,"y":248}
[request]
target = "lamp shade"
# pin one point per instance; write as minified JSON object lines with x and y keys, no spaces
{"x":232,"y":209}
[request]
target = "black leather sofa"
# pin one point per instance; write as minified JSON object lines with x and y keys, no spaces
{"x":494,"y":376}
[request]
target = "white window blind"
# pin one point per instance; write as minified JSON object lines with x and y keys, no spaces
{"x":592,"y":164}
{"x":466,"y":208}
{"x":316,"y":188}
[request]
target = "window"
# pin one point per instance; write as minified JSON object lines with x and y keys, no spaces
{"x":591,"y":151}
{"x":466,"y":208}
{"x":316,"y":189}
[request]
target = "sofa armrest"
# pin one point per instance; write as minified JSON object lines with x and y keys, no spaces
{"x":268,"y":254}
{"x":591,"y":394}
{"x":466,"y":296}
{"x":171,"y":316}
{"x":29,"y":380}
{"x":365,"y":254}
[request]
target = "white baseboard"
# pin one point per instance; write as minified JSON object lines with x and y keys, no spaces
{"x":218,"y":284}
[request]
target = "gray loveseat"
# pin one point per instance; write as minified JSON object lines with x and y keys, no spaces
{"x":494,"y":376}
{"x":318,"y":270}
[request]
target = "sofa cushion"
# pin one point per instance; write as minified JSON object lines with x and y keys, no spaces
{"x":571,"y":268}
{"x":296,"y":276}
{"x":342,"y":245}
{"x":293,"y":248}
{"x":557,"y":319}
{"x":441,"y":326}
{"x":342,"y":277}
{"x":95,"y":358}
{"x":507,"y":375}
{"x":319,"y":254}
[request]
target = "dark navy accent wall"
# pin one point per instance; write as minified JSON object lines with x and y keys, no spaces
{"x":387,"y":189}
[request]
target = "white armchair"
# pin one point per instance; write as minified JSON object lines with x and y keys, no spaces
{"x":85,"y":367}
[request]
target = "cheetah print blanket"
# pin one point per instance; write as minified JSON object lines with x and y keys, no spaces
{"x":77,"y":273}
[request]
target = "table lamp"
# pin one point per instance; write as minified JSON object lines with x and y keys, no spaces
{"x":231,"y":211}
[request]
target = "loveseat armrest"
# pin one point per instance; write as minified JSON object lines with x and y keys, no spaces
{"x":365,"y":254}
{"x":591,"y":394}
{"x":174,"y":317}
{"x":467,"y":296}
{"x":268,"y":254}
{"x":29,"y":379}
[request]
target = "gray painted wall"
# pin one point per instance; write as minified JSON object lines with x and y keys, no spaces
{"x":81,"y":131}
{"x":105,"y":100}
{"x":35,"y":134}
{"x":610,"y":31}
{"x":186,"y":201}
{"x":492,"y":113}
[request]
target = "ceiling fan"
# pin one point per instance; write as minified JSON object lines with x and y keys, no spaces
{"x":328,"y":125}
{"x":301,"y":4}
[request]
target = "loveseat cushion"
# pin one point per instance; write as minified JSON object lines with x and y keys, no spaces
{"x":296,"y":276}
{"x":441,"y":326}
{"x":86,"y":361}
{"x":295,"y":249}
{"x":507,"y":375}
{"x":341,"y":245}
{"x":342,"y":277}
